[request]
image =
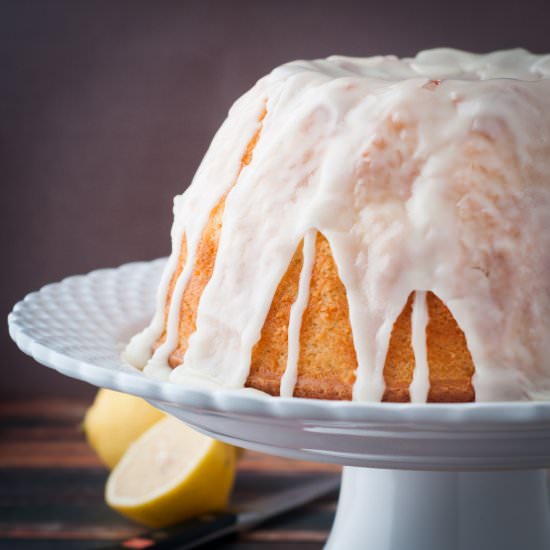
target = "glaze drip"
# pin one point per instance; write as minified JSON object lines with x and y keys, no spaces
{"x":288,"y":380}
{"x":420,"y":385}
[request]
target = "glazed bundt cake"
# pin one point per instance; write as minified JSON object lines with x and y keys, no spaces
{"x":369,"y":229}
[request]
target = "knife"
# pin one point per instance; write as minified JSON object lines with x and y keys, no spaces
{"x":206,"y":528}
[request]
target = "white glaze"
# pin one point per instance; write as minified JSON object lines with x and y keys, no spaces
{"x":420,"y":385}
{"x":288,"y":380}
{"x":214,"y":177}
{"x":416,"y":184}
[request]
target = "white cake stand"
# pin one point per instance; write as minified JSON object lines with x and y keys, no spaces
{"x":416,"y":477}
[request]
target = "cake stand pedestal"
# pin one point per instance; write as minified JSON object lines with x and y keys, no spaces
{"x":416,"y":477}
{"x":400,"y":509}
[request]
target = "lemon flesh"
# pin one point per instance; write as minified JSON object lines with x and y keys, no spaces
{"x":115,"y":421}
{"x":171,"y":473}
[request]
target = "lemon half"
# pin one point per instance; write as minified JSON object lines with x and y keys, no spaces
{"x":171,"y":473}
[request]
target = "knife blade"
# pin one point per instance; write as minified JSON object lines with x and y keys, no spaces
{"x":198,"y":531}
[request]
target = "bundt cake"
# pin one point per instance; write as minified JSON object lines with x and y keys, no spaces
{"x":369,"y":229}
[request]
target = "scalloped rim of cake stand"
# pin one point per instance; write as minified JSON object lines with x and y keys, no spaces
{"x":78,"y":327}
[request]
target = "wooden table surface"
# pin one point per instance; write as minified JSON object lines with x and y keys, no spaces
{"x":51,"y":488}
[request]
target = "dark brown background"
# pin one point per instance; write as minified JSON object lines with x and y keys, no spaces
{"x":106,"y":109}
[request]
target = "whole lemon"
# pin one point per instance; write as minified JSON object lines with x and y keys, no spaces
{"x":115,"y":421}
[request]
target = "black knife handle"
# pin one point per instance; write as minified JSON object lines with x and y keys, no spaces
{"x":183,"y":536}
